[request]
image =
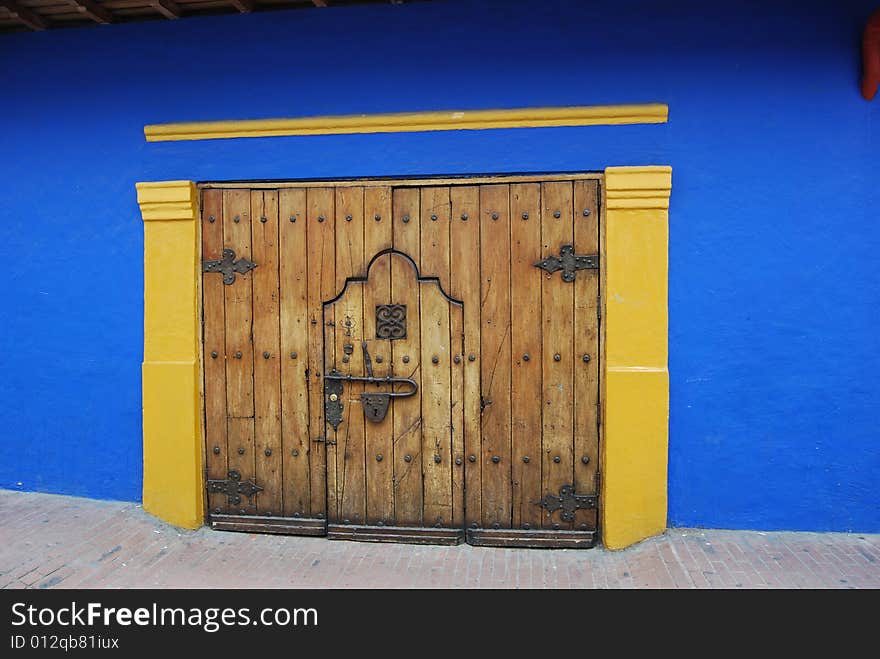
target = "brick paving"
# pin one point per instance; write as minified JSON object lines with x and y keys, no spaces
{"x":51,"y":541}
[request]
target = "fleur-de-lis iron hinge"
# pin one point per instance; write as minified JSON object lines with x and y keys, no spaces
{"x":228,"y":265}
{"x":233,"y":487}
{"x":569,"y":262}
{"x":568,"y":502}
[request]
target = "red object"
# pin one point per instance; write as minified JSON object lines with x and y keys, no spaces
{"x":871,"y":56}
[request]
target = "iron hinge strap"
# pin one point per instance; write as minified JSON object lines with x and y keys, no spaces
{"x":228,"y":266}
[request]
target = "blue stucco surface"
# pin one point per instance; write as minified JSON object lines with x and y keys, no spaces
{"x":774,"y":236}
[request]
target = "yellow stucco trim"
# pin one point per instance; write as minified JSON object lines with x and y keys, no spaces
{"x":173,"y":461}
{"x":636,"y":380}
{"x":402,"y":122}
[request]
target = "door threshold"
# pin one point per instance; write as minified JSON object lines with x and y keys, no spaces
{"x":263,"y":524}
{"x":403,"y":534}
{"x":537,"y":538}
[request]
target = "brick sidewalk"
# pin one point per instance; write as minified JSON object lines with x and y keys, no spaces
{"x":51,"y":541}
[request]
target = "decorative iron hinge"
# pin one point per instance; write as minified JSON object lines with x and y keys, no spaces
{"x":569,"y":262}
{"x":233,"y":487}
{"x":568,"y":502}
{"x":228,"y":265}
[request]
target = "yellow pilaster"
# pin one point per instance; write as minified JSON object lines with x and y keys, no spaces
{"x":173,"y":460}
{"x":636,"y":382}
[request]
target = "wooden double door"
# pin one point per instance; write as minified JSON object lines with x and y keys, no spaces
{"x":410,"y":361}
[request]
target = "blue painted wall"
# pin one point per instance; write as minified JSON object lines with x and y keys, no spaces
{"x":774,"y":230}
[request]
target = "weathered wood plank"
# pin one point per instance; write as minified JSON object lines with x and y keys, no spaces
{"x":464,"y":251}
{"x":238,"y":301}
{"x":525,"y":336}
{"x":267,"y":345}
{"x":586,"y":349}
{"x":437,"y":432}
{"x":294,"y":323}
{"x":436,"y":358}
{"x":434,"y":230}
{"x":557,"y":340}
{"x":408,"y":449}
{"x":321,"y":245}
{"x":347,"y":331}
{"x":349,"y":234}
{"x":214,"y":342}
{"x":377,"y":290}
{"x":406,"y":182}
{"x":494,"y":221}
{"x":456,"y":412}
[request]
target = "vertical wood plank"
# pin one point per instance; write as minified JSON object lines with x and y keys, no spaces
{"x":239,"y":347}
{"x":586,"y":349}
{"x":436,"y":357}
{"x":456,"y":412}
{"x":377,"y":290}
{"x":464,"y":257}
{"x":349,"y":234}
{"x":557,"y":340}
{"x":214,"y":324}
{"x":405,"y":223}
{"x":525,"y":336}
{"x":321,"y":245}
{"x":377,"y":235}
{"x":294,"y":353}
{"x":348,"y":334}
{"x":434,"y":230}
{"x":437,"y":456}
{"x":408,"y":479}
{"x":267,"y":365}
{"x":494,"y":221}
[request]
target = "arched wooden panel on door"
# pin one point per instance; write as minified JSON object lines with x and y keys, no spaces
{"x":394,"y":456}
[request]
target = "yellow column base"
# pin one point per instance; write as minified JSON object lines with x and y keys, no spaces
{"x":173,"y":487}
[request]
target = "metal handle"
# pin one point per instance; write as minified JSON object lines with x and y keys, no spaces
{"x":414,"y":386}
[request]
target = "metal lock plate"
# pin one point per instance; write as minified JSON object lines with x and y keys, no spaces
{"x":375,"y":406}
{"x":333,"y":404}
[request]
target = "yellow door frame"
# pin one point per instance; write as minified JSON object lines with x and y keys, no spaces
{"x":635,"y":396}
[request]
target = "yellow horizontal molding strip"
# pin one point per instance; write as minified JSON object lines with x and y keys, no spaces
{"x":651,"y":113}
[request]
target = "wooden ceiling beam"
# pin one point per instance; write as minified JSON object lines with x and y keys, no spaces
{"x":244,"y":6}
{"x":319,"y":3}
{"x":93,"y":10}
{"x":168,"y":8}
{"x":33,"y":20}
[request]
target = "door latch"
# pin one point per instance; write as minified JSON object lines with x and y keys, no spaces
{"x":375,"y":403}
